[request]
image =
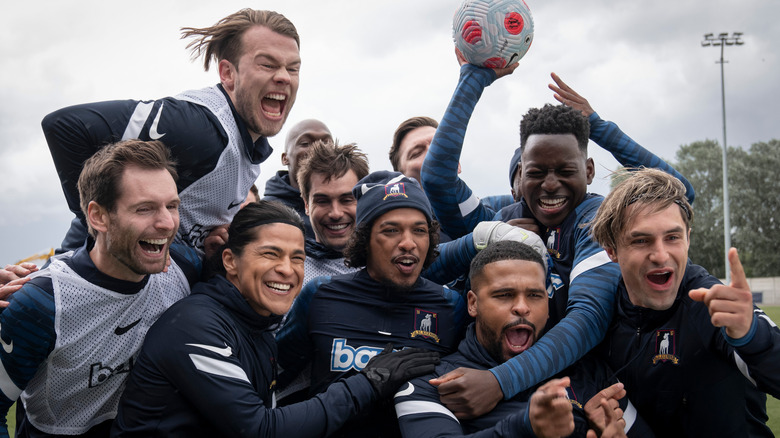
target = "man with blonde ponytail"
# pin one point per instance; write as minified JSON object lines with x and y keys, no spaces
{"x":217,"y":135}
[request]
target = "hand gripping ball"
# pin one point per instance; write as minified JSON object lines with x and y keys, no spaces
{"x":493,"y":33}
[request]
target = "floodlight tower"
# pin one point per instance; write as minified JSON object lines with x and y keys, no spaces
{"x":723,"y":39}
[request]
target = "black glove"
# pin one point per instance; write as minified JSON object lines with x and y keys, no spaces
{"x":390,"y":369}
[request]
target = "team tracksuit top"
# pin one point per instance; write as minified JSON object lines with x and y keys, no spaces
{"x":589,"y":278}
{"x":685,"y":376}
{"x":278,"y":188}
{"x":338,"y":323}
{"x":208,"y":368}
{"x":422,"y":415}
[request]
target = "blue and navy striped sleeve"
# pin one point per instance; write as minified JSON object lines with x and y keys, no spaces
{"x":453,"y":262}
{"x":27,"y":336}
{"x":592,"y":289}
{"x":188,"y":260}
{"x":456,"y":208}
{"x":629,"y":153}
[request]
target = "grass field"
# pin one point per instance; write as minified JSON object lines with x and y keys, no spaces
{"x":772,"y":404}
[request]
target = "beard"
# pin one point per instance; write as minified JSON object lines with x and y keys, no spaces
{"x":495,"y":345}
{"x":393,"y":288}
{"x":248,"y":105}
{"x":120,"y":244}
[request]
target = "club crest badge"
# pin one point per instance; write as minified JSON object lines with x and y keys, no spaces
{"x":554,"y":243}
{"x":394,"y":190}
{"x":426,"y":324}
{"x":665,"y":347}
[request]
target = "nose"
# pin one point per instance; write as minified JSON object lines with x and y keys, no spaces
{"x":167,"y":219}
{"x":282,"y":76}
{"x":520,"y":306}
{"x":336,"y":212}
{"x":284,"y":266}
{"x":550,"y":183}
{"x":658,"y":252}
{"x":407,"y":242}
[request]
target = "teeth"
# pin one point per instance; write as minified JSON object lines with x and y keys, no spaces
{"x":280,"y":286}
{"x":336,"y":227}
{"x":552,"y":203}
{"x":155,"y":241}
{"x":275,"y":96}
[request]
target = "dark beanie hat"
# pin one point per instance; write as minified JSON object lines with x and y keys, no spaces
{"x":382,"y":191}
{"x":513,"y":166}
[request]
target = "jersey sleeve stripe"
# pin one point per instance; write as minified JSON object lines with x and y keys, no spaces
{"x":469,"y":205}
{"x":629,"y":415}
{"x":743,"y":368}
{"x":594,"y":261}
{"x":218,"y":367}
{"x":137,"y":120}
{"x":421,"y":407}
{"x":7,"y":386}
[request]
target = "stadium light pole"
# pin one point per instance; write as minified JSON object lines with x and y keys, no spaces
{"x":723,"y":39}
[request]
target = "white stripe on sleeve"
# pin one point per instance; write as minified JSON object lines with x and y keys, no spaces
{"x":218,"y":367}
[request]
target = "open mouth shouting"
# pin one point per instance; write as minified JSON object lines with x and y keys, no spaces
{"x":519,"y":338}
{"x":273,"y":105}
{"x":153,"y":247}
{"x":660,"y":279}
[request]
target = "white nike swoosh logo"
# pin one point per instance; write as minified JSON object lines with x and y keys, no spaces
{"x":7,"y":347}
{"x":227,"y":351}
{"x":406,"y":391}
{"x":153,"y":134}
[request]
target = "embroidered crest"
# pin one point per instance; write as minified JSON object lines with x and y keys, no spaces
{"x":665,"y":347}
{"x":395,"y":189}
{"x":553,"y":243}
{"x":426,"y":324}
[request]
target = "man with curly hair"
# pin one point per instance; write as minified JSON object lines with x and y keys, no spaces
{"x":554,"y":179}
{"x":338,"y":323}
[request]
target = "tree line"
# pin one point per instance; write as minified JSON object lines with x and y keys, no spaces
{"x":754,"y":204}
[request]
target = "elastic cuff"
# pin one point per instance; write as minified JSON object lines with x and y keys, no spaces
{"x":743,"y":340}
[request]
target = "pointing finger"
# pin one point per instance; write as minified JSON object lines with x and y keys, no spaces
{"x":738,"y":279}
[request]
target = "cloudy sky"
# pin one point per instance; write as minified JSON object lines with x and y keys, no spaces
{"x":368,"y":65}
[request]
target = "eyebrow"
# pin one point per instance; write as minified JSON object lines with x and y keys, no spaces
{"x":325,"y":195}
{"x":677,"y":229}
{"x":397,"y":223}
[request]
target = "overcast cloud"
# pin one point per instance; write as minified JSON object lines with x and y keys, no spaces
{"x":368,"y":65}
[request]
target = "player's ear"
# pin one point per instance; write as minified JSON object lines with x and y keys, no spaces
{"x":229,"y":261}
{"x":227,"y":74}
{"x":471,"y":296}
{"x":98,"y":217}
{"x":590,"y":170}
{"x":612,"y":254}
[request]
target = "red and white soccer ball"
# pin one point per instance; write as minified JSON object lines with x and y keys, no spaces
{"x":493,"y":33}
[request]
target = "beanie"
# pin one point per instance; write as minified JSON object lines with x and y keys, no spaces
{"x":382,"y":191}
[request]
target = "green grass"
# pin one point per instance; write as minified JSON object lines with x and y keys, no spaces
{"x":772,"y":404}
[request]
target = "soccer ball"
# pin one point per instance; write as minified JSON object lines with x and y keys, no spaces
{"x":493,"y":33}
